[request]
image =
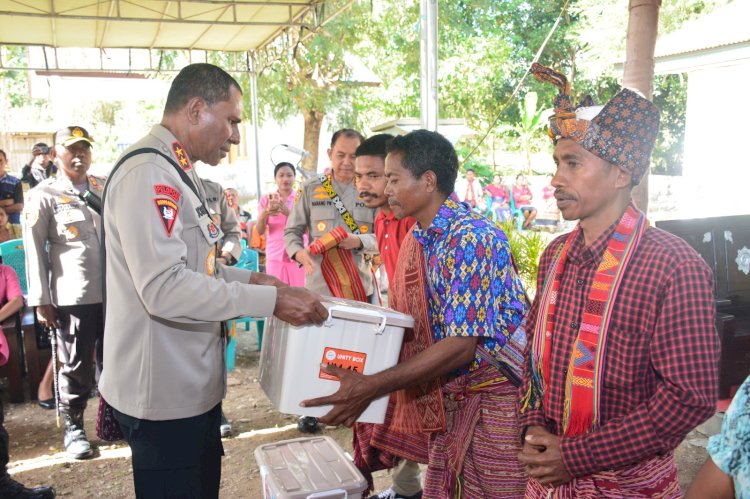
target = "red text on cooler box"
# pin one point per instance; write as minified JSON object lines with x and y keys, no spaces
{"x":346,"y":359}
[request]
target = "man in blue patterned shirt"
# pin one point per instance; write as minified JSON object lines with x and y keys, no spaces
{"x":475,"y":303}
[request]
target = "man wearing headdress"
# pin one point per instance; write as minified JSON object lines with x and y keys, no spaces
{"x":623,"y":351}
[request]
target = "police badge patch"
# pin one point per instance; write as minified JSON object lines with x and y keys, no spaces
{"x":168,"y":211}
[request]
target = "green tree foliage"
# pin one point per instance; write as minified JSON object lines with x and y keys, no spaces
{"x":307,"y":72}
{"x":670,"y":95}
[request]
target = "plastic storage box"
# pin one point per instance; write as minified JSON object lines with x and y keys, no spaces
{"x":312,"y":467}
{"x":357,"y":336}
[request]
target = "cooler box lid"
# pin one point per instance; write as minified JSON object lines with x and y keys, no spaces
{"x":301,"y":467}
{"x":341,"y":308}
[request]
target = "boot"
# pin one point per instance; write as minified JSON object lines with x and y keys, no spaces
{"x":76,"y":444}
{"x":225,"y":427}
{"x":10,"y":489}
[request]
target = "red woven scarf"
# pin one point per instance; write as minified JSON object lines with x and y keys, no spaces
{"x":585,"y":372}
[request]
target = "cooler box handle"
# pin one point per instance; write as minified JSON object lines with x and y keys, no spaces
{"x":371,"y":313}
{"x":329,"y":493}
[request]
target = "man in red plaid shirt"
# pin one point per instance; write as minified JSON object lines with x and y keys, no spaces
{"x":623,"y":351}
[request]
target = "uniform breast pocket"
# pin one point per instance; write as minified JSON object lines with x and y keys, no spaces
{"x":322,"y":220}
{"x":627,"y":358}
{"x":364,"y":218}
{"x":72,"y":224}
{"x":75,"y":231}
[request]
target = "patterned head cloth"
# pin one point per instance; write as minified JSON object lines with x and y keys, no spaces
{"x":622,"y":132}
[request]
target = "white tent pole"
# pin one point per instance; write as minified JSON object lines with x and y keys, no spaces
{"x":428,"y":64}
{"x":254,"y":100}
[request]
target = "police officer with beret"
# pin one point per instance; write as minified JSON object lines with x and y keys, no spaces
{"x":62,"y":243}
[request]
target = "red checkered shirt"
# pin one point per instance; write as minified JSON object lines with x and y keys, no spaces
{"x":662,"y":352}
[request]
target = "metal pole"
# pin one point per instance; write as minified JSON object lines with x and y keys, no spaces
{"x":428,"y":64}
{"x":254,"y":99}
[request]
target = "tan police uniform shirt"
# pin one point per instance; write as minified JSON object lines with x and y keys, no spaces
{"x":313,"y":212}
{"x":224,"y":217}
{"x":61,"y":238}
{"x":164,"y":353}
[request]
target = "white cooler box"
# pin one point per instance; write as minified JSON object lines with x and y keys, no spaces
{"x":357,"y":336}
{"x":308,"y":468}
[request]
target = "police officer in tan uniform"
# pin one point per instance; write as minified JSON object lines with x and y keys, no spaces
{"x":167,"y":296}
{"x":314,"y":212}
{"x":62,"y":243}
{"x":226,"y":219}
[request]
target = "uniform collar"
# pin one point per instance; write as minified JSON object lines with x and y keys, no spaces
{"x":172,"y":146}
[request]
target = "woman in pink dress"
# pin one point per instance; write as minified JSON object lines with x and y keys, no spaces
{"x":274,"y":209}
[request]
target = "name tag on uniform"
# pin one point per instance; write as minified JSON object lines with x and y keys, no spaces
{"x":70,"y":216}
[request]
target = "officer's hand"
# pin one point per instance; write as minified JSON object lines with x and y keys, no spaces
{"x":351,"y":242}
{"x":47,"y":316}
{"x":266,"y":280}
{"x":299,"y":306}
{"x":303,"y":258}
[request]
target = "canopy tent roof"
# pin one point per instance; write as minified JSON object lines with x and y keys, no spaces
{"x":225,"y":25}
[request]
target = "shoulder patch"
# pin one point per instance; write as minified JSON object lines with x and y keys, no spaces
{"x":168,"y":211}
{"x":167,"y":190}
{"x":31,"y":216}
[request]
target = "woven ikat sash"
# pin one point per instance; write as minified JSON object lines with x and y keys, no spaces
{"x":585,"y":372}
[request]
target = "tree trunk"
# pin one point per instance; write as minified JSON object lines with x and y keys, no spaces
{"x":643,"y":25}
{"x":313,"y":122}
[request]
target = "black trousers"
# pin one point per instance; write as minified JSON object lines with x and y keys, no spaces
{"x":79,"y":337}
{"x":176,"y":458}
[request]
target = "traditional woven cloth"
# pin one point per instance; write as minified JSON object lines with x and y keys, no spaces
{"x":338,"y":267}
{"x":652,"y":479}
{"x":420,"y":409}
{"x":585,"y":373}
{"x":622,"y":132}
{"x":476,"y":457}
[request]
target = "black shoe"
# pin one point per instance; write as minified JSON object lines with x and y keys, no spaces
{"x":10,"y":489}
{"x":308,"y":424}
{"x":47,"y":403}
{"x":389,"y":493}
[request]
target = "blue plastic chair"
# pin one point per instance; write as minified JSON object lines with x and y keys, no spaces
{"x":14,"y":256}
{"x":248,"y":260}
{"x":517,"y":213}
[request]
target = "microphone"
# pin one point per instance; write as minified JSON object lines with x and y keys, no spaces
{"x":296,"y":150}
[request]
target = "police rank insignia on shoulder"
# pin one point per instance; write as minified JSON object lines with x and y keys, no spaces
{"x":168,"y":211}
{"x":298,"y":195}
{"x":181,"y":156}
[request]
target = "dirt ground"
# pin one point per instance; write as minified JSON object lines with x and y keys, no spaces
{"x":38,"y":458}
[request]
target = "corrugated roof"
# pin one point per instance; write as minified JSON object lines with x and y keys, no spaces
{"x":723,"y":27}
{"x":226,"y":25}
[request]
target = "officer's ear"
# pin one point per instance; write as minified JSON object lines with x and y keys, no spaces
{"x":193,"y":110}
